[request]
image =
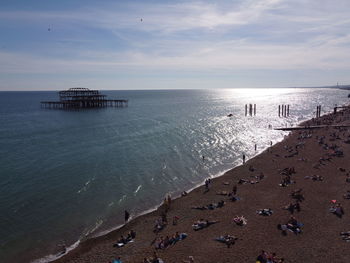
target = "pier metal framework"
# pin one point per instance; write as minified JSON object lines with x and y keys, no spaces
{"x":77,"y":98}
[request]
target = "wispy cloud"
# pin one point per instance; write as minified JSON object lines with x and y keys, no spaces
{"x":189,"y":36}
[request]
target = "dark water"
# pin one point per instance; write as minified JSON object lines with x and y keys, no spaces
{"x":67,"y":175}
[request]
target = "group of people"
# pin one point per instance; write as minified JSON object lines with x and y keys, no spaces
{"x":265,"y":257}
{"x":124,"y":240}
{"x":315,"y":177}
{"x":227,"y":239}
{"x":160,"y":223}
{"x":287,"y":176}
{"x":337,"y":209}
{"x":240,"y":220}
{"x":153,"y":259}
{"x":264,"y":212}
{"x":292,"y":225}
{"x":162,"y":243}
{"x":200,"y":224}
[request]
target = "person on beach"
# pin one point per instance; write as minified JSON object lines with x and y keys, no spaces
{"x":337,"y":210}
{"x":262,"y":258}
{"x":190,"y":260}
{"x":243,"y":158}
{"x":234,"y":189}
{"x":126,"y":216}
{"x":118,"y":260}
{"x":166,"y":204}
{"x":255,"y":147}
{"x":175,"y":220}
{"x":207,"y":183}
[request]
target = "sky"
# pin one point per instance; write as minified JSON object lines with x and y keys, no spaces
{"x":160,"y":44}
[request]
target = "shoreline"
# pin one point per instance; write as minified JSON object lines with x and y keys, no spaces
{"x":89,"y":244}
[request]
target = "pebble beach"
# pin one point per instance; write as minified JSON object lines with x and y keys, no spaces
{"x":320,"y":165}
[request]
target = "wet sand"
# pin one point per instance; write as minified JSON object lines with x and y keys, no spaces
{"x":319,"y":241}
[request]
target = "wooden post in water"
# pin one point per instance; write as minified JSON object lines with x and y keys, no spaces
{"x":285,"y":110}
{"x":279,"y":110}
{"x":282,"y":110}
{"x":288,"y":110}
{"x":319,"y":111}
{"x":254,"y":109}
{"x":246,"y":110}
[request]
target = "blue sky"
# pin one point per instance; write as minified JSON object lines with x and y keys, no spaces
{"x":54,"y":45}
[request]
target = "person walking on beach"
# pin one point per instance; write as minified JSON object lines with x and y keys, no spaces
{"x":255,"y":147}
{"x":243,"y":158}
{"x":126,"y":216}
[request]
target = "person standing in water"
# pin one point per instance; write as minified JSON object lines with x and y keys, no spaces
{"x":126,"y":216}
{"x":243,"y":158}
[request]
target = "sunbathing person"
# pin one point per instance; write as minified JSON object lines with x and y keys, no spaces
{"x":123,"y":241}
{"x":200,"y":224}
{"x":264,"y":212}
{"x":345,"y":236}
{"x":292,"y":225}
{"x":227,"y":239}
{"x":262,"y":258}
{"x":221,"y":204}
{"x":240,"y":220}
{"x":337,"y":210}
{"x":234,"y":198}
{"x":347,"y":195}
{"x":260,"y":176}
{"x":317,"y":178}
{"x":242,"y":181}
{"x":347,"y":179}
{"x":286,"y":181}
{"x":211,"y":206}
{"x":266,"y":257}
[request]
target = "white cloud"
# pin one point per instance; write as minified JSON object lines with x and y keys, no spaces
{"x":196,"y":36}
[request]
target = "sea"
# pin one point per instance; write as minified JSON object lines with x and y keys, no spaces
{"x":68,"y":175}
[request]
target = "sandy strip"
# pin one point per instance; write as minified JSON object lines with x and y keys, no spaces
{"x":320,"y":240}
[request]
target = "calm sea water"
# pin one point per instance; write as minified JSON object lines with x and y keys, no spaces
{"x":67,"y":175}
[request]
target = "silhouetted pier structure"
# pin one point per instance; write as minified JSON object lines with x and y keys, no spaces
{"x":77,"y":98}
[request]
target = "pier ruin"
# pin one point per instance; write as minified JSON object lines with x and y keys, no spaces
{"x":78,"y":98}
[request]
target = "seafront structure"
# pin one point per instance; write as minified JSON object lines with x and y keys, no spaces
{"x":77,"y":98}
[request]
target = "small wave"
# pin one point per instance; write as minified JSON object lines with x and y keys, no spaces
{"x":92,"y":230}
{"x":50,"y":258}
{"x":138,"y":189}
{"x":86,"y":186}
{"x":122,"y":199}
